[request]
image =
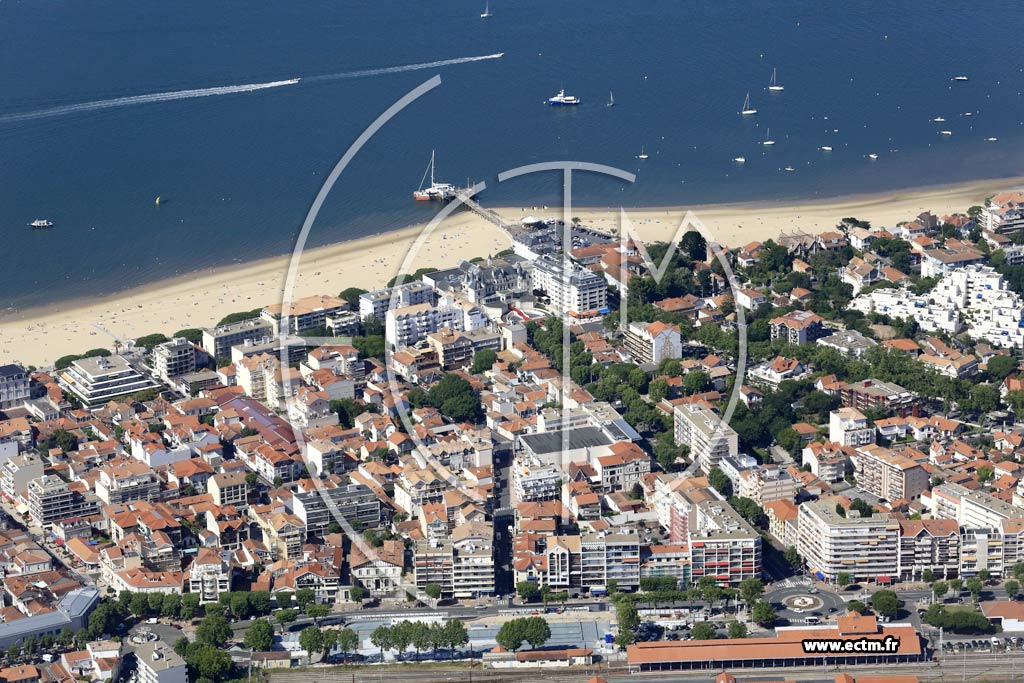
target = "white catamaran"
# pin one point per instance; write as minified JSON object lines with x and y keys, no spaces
{"x":441,"y":191}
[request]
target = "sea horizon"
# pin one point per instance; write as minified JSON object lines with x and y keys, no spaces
{"x":237,"y":170}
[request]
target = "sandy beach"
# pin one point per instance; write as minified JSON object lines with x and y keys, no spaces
{"x":40,"y":336}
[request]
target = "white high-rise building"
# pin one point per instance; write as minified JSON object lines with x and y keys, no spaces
{"x":575,"y":292}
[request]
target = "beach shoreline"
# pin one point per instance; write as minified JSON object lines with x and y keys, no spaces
{"x":40,"y":335}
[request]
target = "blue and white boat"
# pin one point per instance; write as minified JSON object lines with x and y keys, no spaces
{"x":563,"y":100}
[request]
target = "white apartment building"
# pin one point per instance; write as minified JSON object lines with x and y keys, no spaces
{"x":990,"y":528}
{"x":608,"y":557}
{"x":218,"y":340}
{"x":974,"y":296}
{"x":173,"y":359}
{"x":764,"y":484}
{"x":867,"y":548}
{"x":307,"y":313}
{"x":411,"y":324}
{"x":708,"y":437}
{"x":96,"y":380}
{"x":850,"y":427}
{"x":574,"y":293}
{"x":376,"y":304}
{"x":159,"y":663}
{"x":17,"y":471}
{"x":535,"y":480}
{"x":722,"y":544}
{"x":651,"y":343}
{"x":473,"y":559}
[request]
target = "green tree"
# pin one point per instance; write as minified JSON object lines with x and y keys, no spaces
{"x":886,"y":603}
{"x":381,"y":639}
{"x":719,"y":481}
{"x":956,"y":585}
{"x":455,"y":634}
{"x":928,"y":576}
{"x":1012,"y":588}
{"x":420,"y":636}
{"x":704,"y":631}
{"x":333,"y":638}
{"x":940,"y":588}
{"x":208,"y":661}
{"x":537,"y":632}
{"x":311,"y":639}
{"x":482,"y":361}
{"x":512,"y":634}
{"x":693,"y":246}
{"x":527,"y":590}
{"x":401,"y":636}
{"x":763,"y":613}
{"x":974,"y":585}
{"x":751,"y":591}
{"x":433,"y":590}
{"x":737,"y":629}
{"x":213,"y":630}
{"x":1000,"y":367}
{"x":285,"y":616}
{"x":317,"y":612}
{"x":843,"y":579}
{"x":260,"y":636}
{"x":304,"y":597}
{"x":139,"y":605}
{"x":792,"y":556}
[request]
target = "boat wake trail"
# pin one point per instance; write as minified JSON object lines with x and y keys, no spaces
{"x":401,"y":69}
{"x":153,"y":98}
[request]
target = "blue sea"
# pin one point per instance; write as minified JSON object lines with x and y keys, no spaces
{"x":237,"y":171}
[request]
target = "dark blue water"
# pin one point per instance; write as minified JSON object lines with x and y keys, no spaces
{"x":237,"y":172}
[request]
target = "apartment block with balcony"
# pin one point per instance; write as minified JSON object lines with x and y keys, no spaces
{"x":798,"y":327}
{"x":703,"y":431}
{"x":218,"y":340}
{"x":651,"y":343}
{"x":303,"y":314}
{"x":866,"y":548}
{"x":376,"y":304}
{"x":608,"y":557}
{"x":100,"y":379}
{"x":473,"y":559}
{"x":874,"y":394}
{"x":574,"y":291}
{"x":929,"y":544}
{"x":888,"y":475}
{"x":723,"y":545}
{"x":14,"y":386}
{"x":174,"y":358}
{"x":850,"y":427}
{"x":209,"y":576}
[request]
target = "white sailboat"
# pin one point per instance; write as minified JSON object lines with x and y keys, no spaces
{"x":747,"y":109}
{"x":773,"y":84}
{"x":768,"y":142}
{"x":740,"y":160}
{"x":487,"y":11}
{"x":642,"y":154}
{"x":611,"y":99}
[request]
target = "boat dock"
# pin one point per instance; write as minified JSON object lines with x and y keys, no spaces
{"x":490,"y":215}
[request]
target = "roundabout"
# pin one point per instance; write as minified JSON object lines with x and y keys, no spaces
{"x":798,"y":602}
